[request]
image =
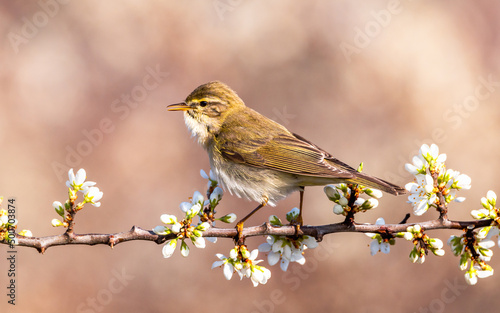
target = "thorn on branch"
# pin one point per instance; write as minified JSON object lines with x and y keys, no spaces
{"x":318,"y":235}
{"x":405,"y":219}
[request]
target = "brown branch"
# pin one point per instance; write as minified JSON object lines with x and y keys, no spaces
{"x":137,"y":233}
{"x":42,"y":243}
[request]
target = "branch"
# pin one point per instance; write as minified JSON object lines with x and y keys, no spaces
{"x":434,"y":187}
{"x":138,"y":233}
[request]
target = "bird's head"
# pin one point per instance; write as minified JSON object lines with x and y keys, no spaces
{"x":206,"y":109}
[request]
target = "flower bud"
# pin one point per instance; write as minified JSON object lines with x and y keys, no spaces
{"x":293,"y":214}
{"x":338,"y":209}
{"x":203,"y":226}
{"x":492,"y":198}
{"x":331,"y":192}
{"x":229,"y":218}
{"x":198,"y":197}
{"x":55,"y":222}
{"x":408,"y":236}
{"x":375,"y":193}
{"x":59,"y":208}
{"x":169,"y":248}
{"x":216,"y":195}
{"x":168,"y":219}
{"x":26,"y":233}
{"x":184,"y":249}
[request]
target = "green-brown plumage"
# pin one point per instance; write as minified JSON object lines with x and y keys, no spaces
{"x":257,"y":158}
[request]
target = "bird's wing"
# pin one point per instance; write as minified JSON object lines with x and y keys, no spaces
{"x":286,"y":152}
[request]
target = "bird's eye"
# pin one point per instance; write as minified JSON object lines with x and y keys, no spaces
{"x":203,"y":103}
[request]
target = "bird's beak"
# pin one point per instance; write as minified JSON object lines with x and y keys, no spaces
{"x":178,"y":107}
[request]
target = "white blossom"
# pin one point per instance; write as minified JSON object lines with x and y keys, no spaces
{"x":77,"y":182}
{"x":92,"y":196}
{"x":244,"y":263}
{"x":285,"y":249}
{"x":378,"y":243}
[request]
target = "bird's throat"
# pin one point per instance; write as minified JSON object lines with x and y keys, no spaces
{"x":197,"y":129}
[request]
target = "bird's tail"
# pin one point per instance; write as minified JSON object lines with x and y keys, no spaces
{"x":377,"y":183}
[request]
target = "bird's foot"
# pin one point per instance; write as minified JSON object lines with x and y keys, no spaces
{"x":239,"y":239}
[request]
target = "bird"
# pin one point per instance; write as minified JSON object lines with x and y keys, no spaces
{"x":257,"y":158}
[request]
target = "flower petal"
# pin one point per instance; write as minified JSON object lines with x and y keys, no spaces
{"x":385,"y":247}
{"x":284,"y":264}
{"x":374,"y":247}
{"x":228,"y":271}
{"x":273,"y":258}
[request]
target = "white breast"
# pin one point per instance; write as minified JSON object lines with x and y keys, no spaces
{"x":197,"y":129}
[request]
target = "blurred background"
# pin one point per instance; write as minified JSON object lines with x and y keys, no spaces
{"x":86,"y":84}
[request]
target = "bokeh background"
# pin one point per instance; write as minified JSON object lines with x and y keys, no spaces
{"x":85,"y":84}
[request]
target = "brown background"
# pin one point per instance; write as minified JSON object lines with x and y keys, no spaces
{"x":411,"y":80}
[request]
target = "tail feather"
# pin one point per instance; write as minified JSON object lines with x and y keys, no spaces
{"x":377,"y":183}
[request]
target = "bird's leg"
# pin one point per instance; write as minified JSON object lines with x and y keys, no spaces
{"x":239,"y":225}
{"x":299,"y":219}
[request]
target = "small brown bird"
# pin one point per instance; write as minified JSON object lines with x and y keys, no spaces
{"x":257,"y":158}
